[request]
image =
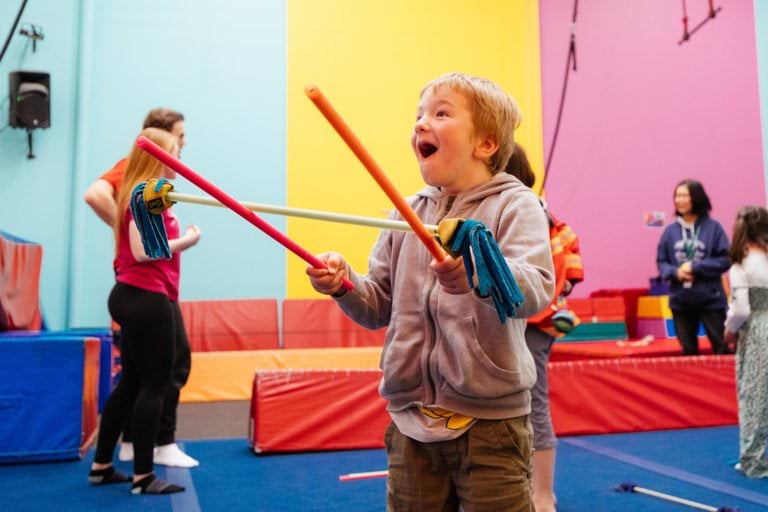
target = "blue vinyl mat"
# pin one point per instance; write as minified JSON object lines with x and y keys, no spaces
{"x":694,"y":464}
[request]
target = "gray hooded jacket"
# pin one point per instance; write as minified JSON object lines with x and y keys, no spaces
{"x":447,"y":350}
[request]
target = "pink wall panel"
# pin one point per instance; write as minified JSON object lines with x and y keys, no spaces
{"x":642,"y":113}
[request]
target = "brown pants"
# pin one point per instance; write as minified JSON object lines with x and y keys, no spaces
{"x":487,"y":469}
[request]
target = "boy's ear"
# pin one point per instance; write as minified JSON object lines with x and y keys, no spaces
{"x":486,"y":147}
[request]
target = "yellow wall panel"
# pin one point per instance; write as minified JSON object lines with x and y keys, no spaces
{"x":371,"y":59}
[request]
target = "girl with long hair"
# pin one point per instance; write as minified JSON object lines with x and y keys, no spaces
{"x":144,"y":302}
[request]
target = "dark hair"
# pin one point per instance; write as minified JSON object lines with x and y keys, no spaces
{"x":519,"y":167}
{"x":751,"y":227}
{"x":163,"y":118}
{"x":700,"y":205}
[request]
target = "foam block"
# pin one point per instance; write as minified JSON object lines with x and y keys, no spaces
{"x":315,"y":323}
{"x":656,"y":327}
{"x":20,"y":265}
{"x":48,"y":397}
{"x":583,"y":308}
{"x":108,"y":354}
{"x":602,"y":396}
{"x":656,"y":306}
{"x":243,"y":324}
{"x":630,"y":297}
{"x":302,"y":410}
{"x":609,"y":309}
{"x":229,"y":375}
{"x":597,"y":331}
{"x":660,"y":328}
{"x":297,"y":410}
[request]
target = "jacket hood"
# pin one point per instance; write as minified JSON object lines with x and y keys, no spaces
{"x":498,"y":182}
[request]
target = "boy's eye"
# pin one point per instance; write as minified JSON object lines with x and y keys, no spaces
{"x":441,"y":113}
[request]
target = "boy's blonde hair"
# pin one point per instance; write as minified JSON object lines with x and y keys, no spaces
{"x":141,"y":167}
{"x":494,"y":112}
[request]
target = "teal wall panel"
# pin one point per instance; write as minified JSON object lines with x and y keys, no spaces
{"x":761,"y":29}
{"x":222,"y":65}
{"x":36,"y":196}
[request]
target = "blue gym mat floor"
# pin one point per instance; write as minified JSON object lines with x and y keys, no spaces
{"x":694,"y":464}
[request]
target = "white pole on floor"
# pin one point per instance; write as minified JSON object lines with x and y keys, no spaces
{"x":363,"y":476}
{"x":630,"y":487}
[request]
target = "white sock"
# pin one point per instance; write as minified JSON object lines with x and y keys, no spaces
{"x":171,"y":455}
{"x":126,"y":452}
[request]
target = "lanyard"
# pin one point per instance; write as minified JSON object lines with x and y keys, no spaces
{"x":689,"y":244}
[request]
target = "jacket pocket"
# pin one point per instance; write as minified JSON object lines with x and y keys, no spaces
{"x":401,"y":357}
{"x":466,"y":368}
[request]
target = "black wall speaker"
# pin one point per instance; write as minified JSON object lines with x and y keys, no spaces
{"x":30,"y":105}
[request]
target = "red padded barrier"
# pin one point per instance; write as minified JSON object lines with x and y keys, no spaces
{"x":316,"y":323}
{"x":301,"y":410}
{"x":601,"y":396}
{"x":659,"y":347}
{"x":223,"y":325}
{"x":304,"y":410}
{"x":20,"y":264}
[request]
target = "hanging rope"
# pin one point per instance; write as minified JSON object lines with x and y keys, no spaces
{"x":13,"y":29}
{"x":570,"y":62}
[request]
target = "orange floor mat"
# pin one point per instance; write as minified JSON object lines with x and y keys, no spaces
{"x":222,"y":376}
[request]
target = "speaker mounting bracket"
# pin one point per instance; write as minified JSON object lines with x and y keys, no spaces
{"x":30,"y":154}
{"x":32,"y":31}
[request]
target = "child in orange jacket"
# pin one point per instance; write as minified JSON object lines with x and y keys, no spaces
{"x":540,"y":333}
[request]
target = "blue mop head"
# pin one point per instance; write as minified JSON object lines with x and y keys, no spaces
{"x":151,"y":227}
{"x":475,"y":242}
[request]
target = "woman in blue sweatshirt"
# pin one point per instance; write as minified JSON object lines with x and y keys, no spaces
{"x":693,"y":255}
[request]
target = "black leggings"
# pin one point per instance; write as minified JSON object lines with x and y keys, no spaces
{"x":182,"y":365}
{"x":687,"y":327}
{"x":150,"y":323}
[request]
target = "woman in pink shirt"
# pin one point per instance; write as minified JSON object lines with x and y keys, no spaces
{"x":144,"y":301}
